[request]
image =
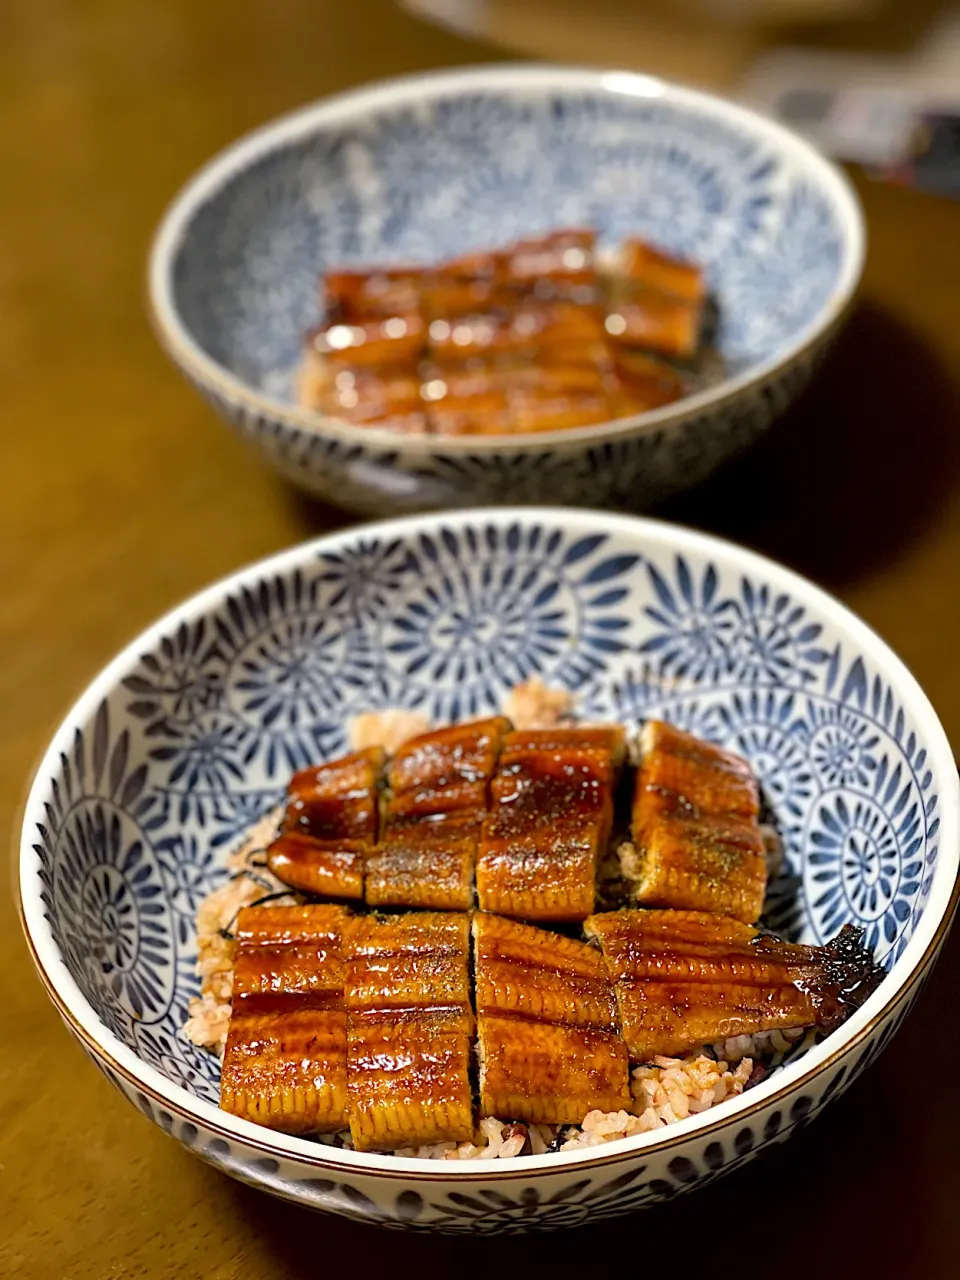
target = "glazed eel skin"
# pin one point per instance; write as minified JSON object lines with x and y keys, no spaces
{"x":367,"y":1021}
{"x":285,"y":1061}
{"x":548,"y":1045}
{"x":516,"y":821}
{"x":521,"y":338}
{"x":341,"y":1020}
{"x":686,"y":978}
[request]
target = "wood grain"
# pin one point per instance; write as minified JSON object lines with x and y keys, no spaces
{"x":123,"y":494}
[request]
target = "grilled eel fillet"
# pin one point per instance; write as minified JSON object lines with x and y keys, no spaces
{"x":696,"y":834}
{"x":330,"y":826}
{"x":285,"y":1062}
{"x":409,"y":1029}
{"x":547,"y":1037}
{"x":437,"y":800}
{"x":551,"y":814}
{"x":687,"y":978}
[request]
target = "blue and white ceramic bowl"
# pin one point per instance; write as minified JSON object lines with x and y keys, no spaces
{"x":432,"y":165}
{"x":192,"y":731}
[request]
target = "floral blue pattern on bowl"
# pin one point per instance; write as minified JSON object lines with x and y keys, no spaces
{"x":434,"y":165}
{"x":193,"y":731}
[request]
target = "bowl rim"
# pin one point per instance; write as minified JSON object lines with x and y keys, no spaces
{"x":906,"y":972}
{"x":175,"y":337}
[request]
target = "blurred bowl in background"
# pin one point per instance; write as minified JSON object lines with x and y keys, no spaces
{"x":428,"y":166}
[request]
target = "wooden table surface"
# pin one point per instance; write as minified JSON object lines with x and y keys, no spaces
{"x":124,"y":495}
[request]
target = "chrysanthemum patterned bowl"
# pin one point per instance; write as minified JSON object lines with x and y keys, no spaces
{"x":191,"y":733}
{"x":428,"y":166}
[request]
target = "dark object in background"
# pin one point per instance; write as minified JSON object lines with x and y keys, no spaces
{"x":933,"y":162}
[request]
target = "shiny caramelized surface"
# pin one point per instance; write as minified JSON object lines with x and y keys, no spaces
{"x":548,"y":1073}
{"x":437,"y":799}
{"x":608,"y":740}
{"x":330,"y":824}
{"x":641,"y":263}
{"x":285,"y":1063}
{"x":685,"y":978}
{"x":338,"y":800}
{"x":328,"y":868}
{"x":287,"y":955}
{"x":409,"y":1029}
{"x":450,"y":349}
{"x":551,"y":811}
{"x":524,"y":970}
{"x":703,"y":864}
{"x":695,"y":827}
{"x":698,"y":773}
{"x":547,"y":1022}
{"x":643,"y":382}
{"x":415,"y":961}
{"x":426,"y":863}
{"x":659,"y":301}
{"x":657,"y":322}
{"x":445,"y":771}
{"x":368,"y":1020}
{"x":351,"y":297}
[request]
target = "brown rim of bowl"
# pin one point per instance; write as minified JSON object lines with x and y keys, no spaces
{"x":508,"y":1170}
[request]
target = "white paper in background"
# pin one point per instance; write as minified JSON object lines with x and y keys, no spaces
{"x":466,"y":17}
{"x":471,"y":17}
{"x":856,"y":107}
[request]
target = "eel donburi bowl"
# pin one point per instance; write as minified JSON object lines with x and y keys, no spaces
{"x":430,"y":166}
{"x":191,"y":733}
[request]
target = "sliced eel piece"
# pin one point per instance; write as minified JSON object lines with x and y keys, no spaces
{"x":439,"y":784}
{"x":486,"y":264}
{"x":446,"y":770}
{"x":409,"y":1030}
{"x":330,"y":825}
{"x":697,"y":843}
{"x":338,"y":800}
{"x":285,"y":1062}
{"x":547,"y":1073}
{"x":560,"y":262}
{"x":364,"y":396}
{"x":450,"y":296}
{"x":525,"y":971}
{"x":497,"y":399}
{"x":540,"y":410}
{"x":372,"y":396}
{"x":547,"y":1025}
{"x":706,"y":777}
{"x":377,"y":345}
{"x":641,"y":263}
{"x":642,"y":382}
{"x":327,"y":868}
{"x":551,"y":814}
{"x":608,"y":740}
{"x":656,"y":321}
{"x":475,"y":413}
{"x":356,"y":297}
{"x":687,"y":978}
{"x":700,"y":863}
{"x":427,"y":863}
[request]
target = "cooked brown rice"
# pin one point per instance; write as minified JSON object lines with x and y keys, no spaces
{"x":534,"y":705}
{"x":209,"y":1013}
{"x":388,"y":729}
